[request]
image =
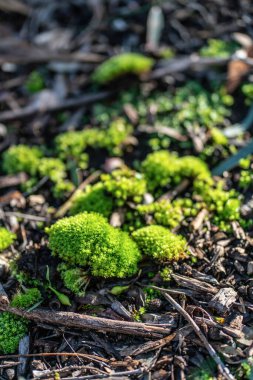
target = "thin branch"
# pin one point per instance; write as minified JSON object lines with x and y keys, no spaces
{"x":63,"y":209}
{"x":87,"y":322}
{"x":223,"y":369}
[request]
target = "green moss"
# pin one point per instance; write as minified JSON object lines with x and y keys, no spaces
{"x":21,"y":158}
{"x":12,"y":327}
{"x":73,"y":279}
{"x":115,"y":136}
{"x":122,"y":64}
{"x":87,"y":239}
{"x":223,"y":205}
{"x":247,"y":90}
{"x":162,"y":212}
{"x":163,"y":168}
{"x":35,"y":82}
{"x":218,"y":48}
{"x":6,"y":238}
{"x":124,"y":185}
{"x":160,"y":169}
{"x":93,"y":199}
{"x":55,"y":170}
{"x":218,"y":137}
{"x":27,"y":299}
{"x":71,"y":145}
{"x":160,"y":243}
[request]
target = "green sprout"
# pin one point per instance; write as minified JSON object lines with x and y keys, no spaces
{"x":124,"y":185}
{"x":94,"y":199}
{"x":6,"y":238}
{"x":64,"y":300}
{"x":122,"y":64}
{"x":161,"y":244}
{"x":35,"y":82}
{"x":12,"y":327}
{"x":88,"y":240}
{"x":21,"y":158}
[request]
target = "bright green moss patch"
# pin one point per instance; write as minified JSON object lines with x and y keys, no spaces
{"x":27,"y":299}
{"x":122,"y":64}
{"x":163,"y":168}
{"x":88,"y":240}
{"x":93,"y":199}
{"x":218,"y":48}
{"x":12,"y":327}
{"x":162,"y":212}
{"x":71,"y":145}
{"x":21,"y":158}
{"x":161,"y":244}
{"x":124,"y":185}
{"x":6,"y":238}
{"x":160,"y":169}
{"x":223,"y":205}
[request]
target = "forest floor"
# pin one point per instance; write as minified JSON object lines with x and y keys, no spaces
{"x":186,"y":319}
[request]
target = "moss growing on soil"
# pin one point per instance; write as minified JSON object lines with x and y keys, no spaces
{"x":94,"y":199}
{"x":6,"y":238}
{"x":122,"y":64}
{"x":161,"y":244}
{"x":88,"y":240}
{"x":12,"y":327}
{"x":124,"y":185}
{"x":21,"y":158}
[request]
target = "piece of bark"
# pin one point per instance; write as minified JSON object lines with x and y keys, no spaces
{"x":87,"y":322}
{"x":194,"y":284}
{"x":13,"y":180}
{"x":223,"y":300}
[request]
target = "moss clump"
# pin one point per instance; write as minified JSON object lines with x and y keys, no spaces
{"x":35,"y":82}
{"x":88,"y":240}
{"x":163,"y":168}
{"x":55,"y":170}
{"x":218,"y":48}
{"x":73,"y":278}
{"x":72,"y":145}
{"x":21,"y":158}
{"x":12,"y":327}
{"x":93,"y":199}
{"x":160,"y":243}
{"x":6,"y":238}
{"x":25,"y":300}
{"x":122,"y":64}
{"x":218,"y":137}
{"x":247,"y":90}
{"x":162,"y":212}
{"x":160,"y":169}
{"x":124,"y":185}
{"x":223,"y":205}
